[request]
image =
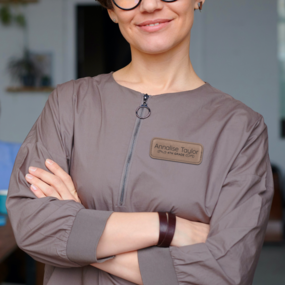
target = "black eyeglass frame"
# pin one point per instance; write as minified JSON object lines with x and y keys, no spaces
{"x":127,"y":9}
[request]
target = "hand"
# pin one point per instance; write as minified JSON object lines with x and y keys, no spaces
{"x":45,"y":184}
{"x":188,"y":232}
{"x":124,"y":265}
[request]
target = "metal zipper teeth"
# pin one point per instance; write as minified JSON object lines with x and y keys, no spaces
{"x":137,"y":125}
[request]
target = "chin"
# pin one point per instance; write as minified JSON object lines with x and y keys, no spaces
{"x":153,"y":50}
{"x":154,"y":47}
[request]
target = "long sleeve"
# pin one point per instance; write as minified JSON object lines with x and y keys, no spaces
{"x":237,"y":226}
{"x":60,"y":233}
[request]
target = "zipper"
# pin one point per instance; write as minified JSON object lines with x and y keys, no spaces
{"x":139,"y":112}
{"x":144,"y":105}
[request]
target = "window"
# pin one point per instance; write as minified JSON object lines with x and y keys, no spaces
{"x":281,"y":60}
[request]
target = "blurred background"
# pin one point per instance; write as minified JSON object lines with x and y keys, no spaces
{"x":236,"y":46}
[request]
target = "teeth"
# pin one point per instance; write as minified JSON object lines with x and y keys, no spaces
{"x":153,"y":24}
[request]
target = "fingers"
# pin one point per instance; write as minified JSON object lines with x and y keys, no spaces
{"x":38,"y":192}
{"x":40,"y":188}
{"x":65,"y":177}
{"x":45,"y":180}
{"x":201,"y":231}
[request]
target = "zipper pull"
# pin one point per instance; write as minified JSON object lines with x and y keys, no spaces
{"x":144,"y":105}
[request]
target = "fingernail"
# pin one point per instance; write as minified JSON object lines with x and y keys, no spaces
{"x":29,"y":176}
{"x":34,"y":187}
{"x":49,"y":161}
{"x":32,"y":168}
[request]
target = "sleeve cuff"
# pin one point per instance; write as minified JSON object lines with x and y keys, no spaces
{"x":156,"y":266}
{"x":84,"y":237}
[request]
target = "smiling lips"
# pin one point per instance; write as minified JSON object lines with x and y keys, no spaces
{"x":155,"y":25}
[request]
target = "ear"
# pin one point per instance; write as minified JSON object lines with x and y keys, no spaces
{"x":112,"y":14}
{"x":198,"y":3}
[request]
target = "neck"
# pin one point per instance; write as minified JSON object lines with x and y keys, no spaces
{"x":169,"y":71}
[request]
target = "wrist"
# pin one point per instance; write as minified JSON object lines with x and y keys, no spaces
{"x":155,"y":229}
{"x":167,"y":227}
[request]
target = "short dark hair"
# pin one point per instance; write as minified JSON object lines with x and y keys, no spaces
{"x":106,"y":4}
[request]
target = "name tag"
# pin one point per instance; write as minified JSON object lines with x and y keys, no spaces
{"x":174,"y":150}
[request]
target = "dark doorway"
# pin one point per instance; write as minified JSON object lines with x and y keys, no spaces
{"x":101,"y":48}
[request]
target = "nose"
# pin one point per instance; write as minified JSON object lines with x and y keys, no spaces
{"x":150,"y":5}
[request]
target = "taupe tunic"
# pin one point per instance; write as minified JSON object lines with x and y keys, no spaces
{"x":201,"y":154}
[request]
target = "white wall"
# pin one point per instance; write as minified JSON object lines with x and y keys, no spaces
{"x":241,"y":59}
{"x":233,"y":47}
{"x":20,"y":110}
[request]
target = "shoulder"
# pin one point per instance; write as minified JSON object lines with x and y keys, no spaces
{"x":79,"y":89}
{"x":71,"y":97}
{"x":61,"y":95}
{"x":233,"y":111}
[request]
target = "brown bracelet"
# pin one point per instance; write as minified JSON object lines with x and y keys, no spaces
{"x":167,"y":229}
{"x":163,"y":226}
{"x":171,"y":229}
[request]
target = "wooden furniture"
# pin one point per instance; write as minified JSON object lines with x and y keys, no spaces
{"x":29,"y":89}
{"x":7,"y":241}
{"x":18,"y":1}
{"x":275,"y":232}
{"x":34,"y":271}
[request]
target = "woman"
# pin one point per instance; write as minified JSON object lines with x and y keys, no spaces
{"x":91,"y":213}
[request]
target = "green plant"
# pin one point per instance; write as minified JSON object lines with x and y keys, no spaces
{"x":20,"y":20}
{"x":23,"y":66}
{"x":7,"y":16}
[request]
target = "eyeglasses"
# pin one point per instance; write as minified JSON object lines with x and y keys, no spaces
{"x":131,"y":4}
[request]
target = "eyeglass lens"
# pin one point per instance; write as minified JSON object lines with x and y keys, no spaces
{"x":126,"y":4}
{"x":130,"y":4}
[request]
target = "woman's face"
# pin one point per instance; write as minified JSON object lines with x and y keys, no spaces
{"x":163,"y":37}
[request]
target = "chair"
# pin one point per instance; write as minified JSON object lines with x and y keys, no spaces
{"x":8,"y":153}
{"x":275,"y":232}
